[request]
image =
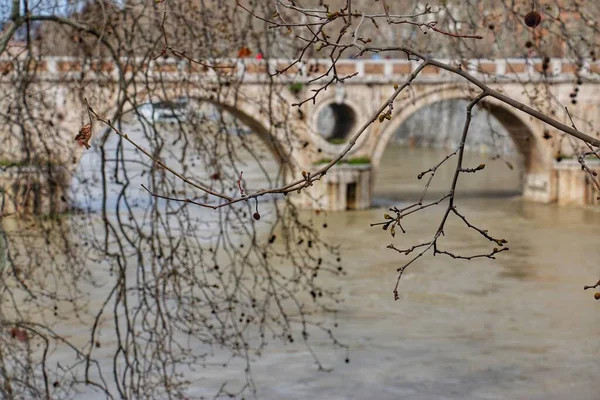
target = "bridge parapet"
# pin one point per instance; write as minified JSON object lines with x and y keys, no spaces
{"x":346,"y":186}
{"x":311,"y":71}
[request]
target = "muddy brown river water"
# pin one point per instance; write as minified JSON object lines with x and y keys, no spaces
{"x":518,"y":327}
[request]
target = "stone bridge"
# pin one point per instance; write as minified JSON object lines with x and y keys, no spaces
{"x":295,"y":138}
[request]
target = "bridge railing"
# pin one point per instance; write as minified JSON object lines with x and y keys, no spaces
{"x":252,"y":70}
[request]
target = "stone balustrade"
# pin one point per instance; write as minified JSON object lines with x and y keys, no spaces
{"x":251,"y":70}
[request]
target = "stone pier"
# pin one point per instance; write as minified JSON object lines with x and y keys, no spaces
{"x":574,"y":186}
{"x":37,"y":190}
{"x":344,"y":187}
{"x":540,"y":187}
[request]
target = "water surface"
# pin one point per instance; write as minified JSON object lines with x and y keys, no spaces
{"x":518,"y":327}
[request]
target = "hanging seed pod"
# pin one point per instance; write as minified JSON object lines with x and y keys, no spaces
{"x":256,"y":216}
{"x":533,"y":19}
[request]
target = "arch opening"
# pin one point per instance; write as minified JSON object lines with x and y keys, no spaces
{"x":207,"y":142}
{"x":335,"y":122}
{"x":233,"y":120}
{"x":497,"y":138}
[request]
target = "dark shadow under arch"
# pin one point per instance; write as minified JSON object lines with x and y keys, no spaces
{"x":517,"y":128}
{"x":520,"y":134}
{"x":519,"y":131}
{"x":335,"y":121}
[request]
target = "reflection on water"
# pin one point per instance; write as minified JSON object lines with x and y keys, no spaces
{"x":519,"y":327}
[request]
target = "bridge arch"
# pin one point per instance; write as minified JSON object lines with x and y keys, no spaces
{"x":349,"y":113}
{"x":251,"y":113}
{"x":523,"y":131}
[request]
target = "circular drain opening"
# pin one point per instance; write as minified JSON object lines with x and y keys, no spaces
{"x":335,"y":122}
